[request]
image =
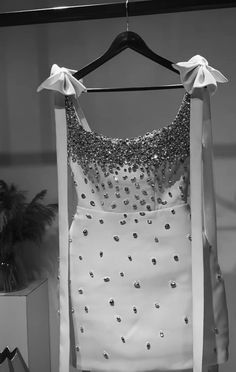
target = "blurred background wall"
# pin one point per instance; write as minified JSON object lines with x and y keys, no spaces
{"x":27,"y":141}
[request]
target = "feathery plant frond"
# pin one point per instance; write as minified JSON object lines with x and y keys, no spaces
{"x":20,"y":221}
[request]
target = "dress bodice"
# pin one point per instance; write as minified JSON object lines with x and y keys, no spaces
{"x":147,"y":172}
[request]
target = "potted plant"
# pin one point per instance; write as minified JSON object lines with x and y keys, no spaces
{"x":19,"y":221}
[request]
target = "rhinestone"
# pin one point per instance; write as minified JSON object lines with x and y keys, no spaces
{"x":142,"y":213}
{"x":149,"y":222}
{"x":115,"y":178}
{"x":85,"y":180}
{"x":85,"y":232}
{"x":91,"y":274}
{"x":135,"y":235}
{"x":122,"y":222}
{"x":172,"y":211}
{"x":106,"y":279}
{"x":116,"y":238}
{"x":106,"y":356}
{"x":80,"y":291}
{"x":167,"y":226}
{"x":161,"y":334}
{"x":137,"y":197}
{"x":148,"y":207}
{"x":88,"y":216}
{"x":106,"y":196}
{"x":130,"y":258}
{"x":117,"y":188}
{"x":144,"y":192}
{"x":77,"y":348}
{"x":157,"y":306}
{"x":141,"y":176}
{"x":148,"y":345}
{"x":126,"y":190}
{"x":92,"y":203}
{"x":156,"y":239}
{"x":176,"y":258}
{"x":86,"y":309}
{"x":136,"y":220}
{"x":189,"y":237}
{"x":126,"y":201}
{"x":125,"y":177}
{"x":110,"y":184}
{"x":113,"y":206}
{"x":83,"y":196}
{"x":133,"y":179}
{"x":173,"y":284}
{"x":159,"y":200}
{"x":81,"y":329}
{"x":125,"y":215}
{"x":122,"y":274}
{"x":117,"y":194}
{"x":80,"y":258}
{"x":134,"y":206}
{"x":135,"y":310}
{"x":101,"y":220}
{"x":186,"y":320}
{"x":136,"y":284}
{"x":101,"y":254}
{"x":111,"y":302}
{"x":164,"y":202}
{"x":118,"y":318}
{"x":154,"y":261}
{"x":72,"y":310}
{"x":123,"y":339}
{"x":143,"y":202}
{"x":170,"y":194}
{"x":137,"y":185}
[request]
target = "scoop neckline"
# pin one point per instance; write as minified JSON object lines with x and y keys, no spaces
{"x":150,"y":133}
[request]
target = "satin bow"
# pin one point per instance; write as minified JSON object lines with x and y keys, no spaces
{"x":196,"y":73}
{"x":62,"y":80}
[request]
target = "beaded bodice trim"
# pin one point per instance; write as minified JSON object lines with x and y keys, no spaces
{"x":167,"y":144}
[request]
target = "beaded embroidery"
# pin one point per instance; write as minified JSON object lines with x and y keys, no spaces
{"x":161,"y":147}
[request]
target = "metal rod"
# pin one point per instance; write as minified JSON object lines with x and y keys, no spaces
{"x":131,"y":89}
{"x":110,"y":10}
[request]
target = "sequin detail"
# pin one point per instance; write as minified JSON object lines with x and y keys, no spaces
{"x":149,"y":150}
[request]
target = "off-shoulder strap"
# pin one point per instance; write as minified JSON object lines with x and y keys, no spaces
{"x":200,"y":80}
{"x":63,"y":83}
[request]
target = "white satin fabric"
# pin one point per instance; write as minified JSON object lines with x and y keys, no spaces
{"x":200,"y":80}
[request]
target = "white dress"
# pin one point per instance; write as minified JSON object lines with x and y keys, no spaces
{"x":139,"y":261}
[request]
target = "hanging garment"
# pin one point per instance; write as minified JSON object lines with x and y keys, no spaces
{"x":139,"y":260}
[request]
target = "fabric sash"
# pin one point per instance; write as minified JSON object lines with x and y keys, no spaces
{"x":61,"y":148}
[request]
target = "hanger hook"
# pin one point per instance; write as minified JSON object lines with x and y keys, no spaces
{"x":127,"y":15}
